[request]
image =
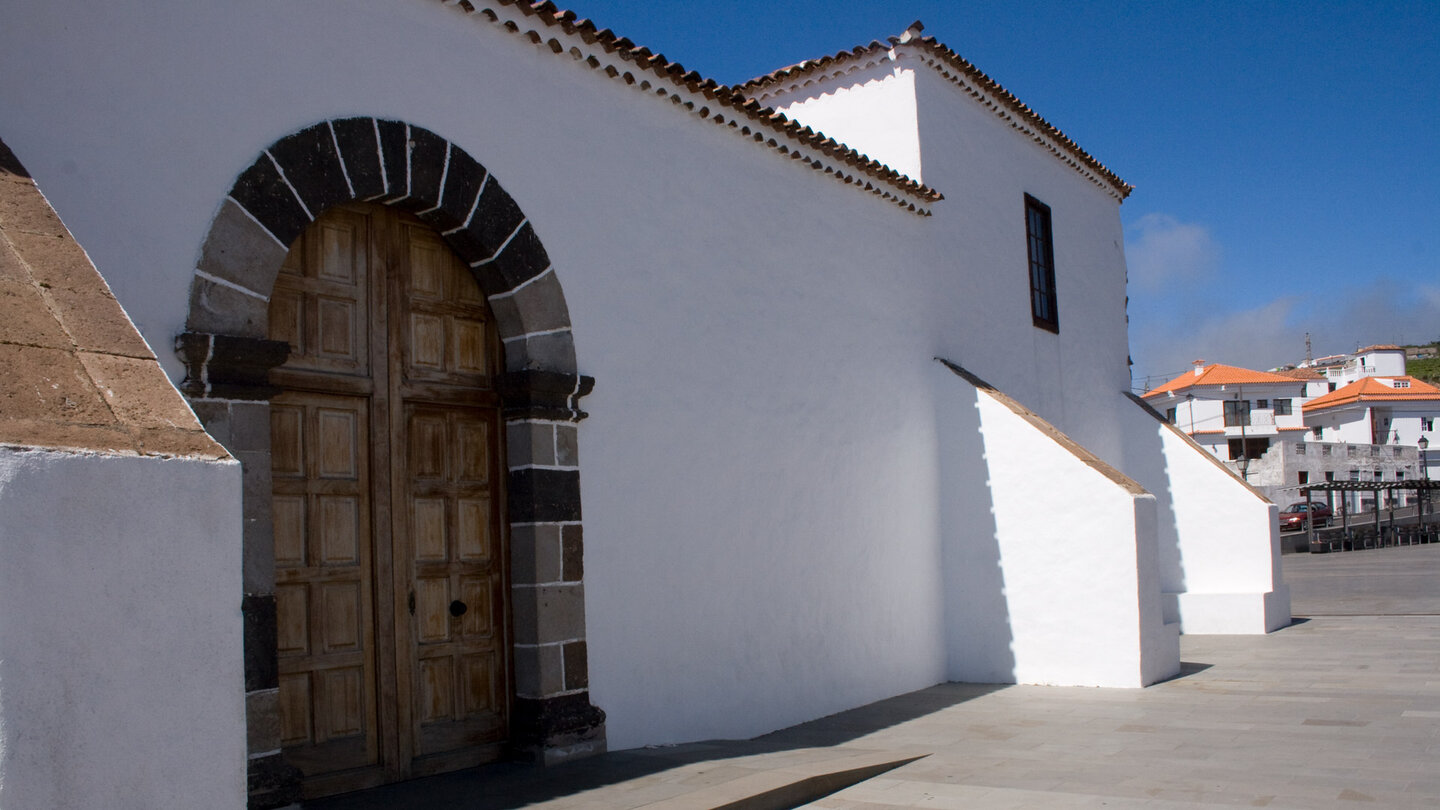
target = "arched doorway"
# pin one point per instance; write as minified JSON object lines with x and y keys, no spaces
{"x":386,"y":466}
{"x":229,"y":356}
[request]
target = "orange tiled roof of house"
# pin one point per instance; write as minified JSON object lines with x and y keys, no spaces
{"x":1375,"y":389}
{"x":1380,"y":347}
{"x":1218,"y":374}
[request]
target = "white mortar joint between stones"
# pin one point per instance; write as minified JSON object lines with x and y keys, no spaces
{"x":523,"y":420}
{"x":257,"y":222}
{"x":503,"y":245}
{"x":380,"y":156}
{"x":444,"y":178}
{"x":231,"y":285}
{"x":205,"y":366}
{"x":474,"y":205}
{"x":548,"y":644}
{"x":526,"y":283}
{"x":289,"y":185}
{"x":344,"y":170}
{"x":530,"y":523}
{"x":542,"y":333}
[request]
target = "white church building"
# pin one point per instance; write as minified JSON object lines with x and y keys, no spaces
{"x":545,"y":397}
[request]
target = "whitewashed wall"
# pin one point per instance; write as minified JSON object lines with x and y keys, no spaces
{"x":872,"y":110}
{"x":986,"y":167}
{"x":759,"y":472}
{"x":1351,"y":425}
{"x":1219,"y":542}
{"x":109,"y":697}
{"x":1050,"y":557}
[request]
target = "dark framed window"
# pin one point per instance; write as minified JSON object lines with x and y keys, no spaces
{"x":1282,"y":407}
{"x":1248,"y":448}
{"x":1262,"y":404}
{"x":1170,"y":415}
{"x":1040,"y":245}
{"x":1237,"y":412}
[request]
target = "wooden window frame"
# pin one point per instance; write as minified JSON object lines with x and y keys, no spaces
{"x":1040,"y":253}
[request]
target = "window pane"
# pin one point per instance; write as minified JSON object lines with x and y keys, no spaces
{"x":1041,"y":256}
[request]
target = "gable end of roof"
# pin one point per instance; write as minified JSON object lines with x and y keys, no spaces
{"x":565,"y":33}
{"x":958,"y":71}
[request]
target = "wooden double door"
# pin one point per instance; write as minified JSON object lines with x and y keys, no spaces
{"x":390,"y":553}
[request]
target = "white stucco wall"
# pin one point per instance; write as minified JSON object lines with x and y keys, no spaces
{"x":985,"y":167}
{"x":759,"y":472}
{"x":1219,"y":540}
{"x":1051,"y":563}
{"x":871,"y":110}
{"x":120,"y":635}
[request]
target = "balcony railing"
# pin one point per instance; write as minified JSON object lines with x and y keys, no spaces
{"x":1251,"y":419}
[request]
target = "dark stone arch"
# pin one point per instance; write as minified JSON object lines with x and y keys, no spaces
{"x":228,"y":357}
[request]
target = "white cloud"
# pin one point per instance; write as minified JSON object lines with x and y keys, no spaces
{"x":1273,"y":333}
{"x":1160,"y":249}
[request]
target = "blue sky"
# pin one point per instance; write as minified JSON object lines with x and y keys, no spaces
{"x":1286,"y":155}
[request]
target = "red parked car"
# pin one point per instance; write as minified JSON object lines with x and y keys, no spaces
{"x":1293,"y":518}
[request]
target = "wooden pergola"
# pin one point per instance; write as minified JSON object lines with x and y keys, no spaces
{"x":1423,"y":518}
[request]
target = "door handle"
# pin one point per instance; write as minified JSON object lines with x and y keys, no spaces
{"x":458,"y":608}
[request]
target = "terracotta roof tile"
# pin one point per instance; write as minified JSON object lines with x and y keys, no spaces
{"x":1375,"y":389}
{"x":1218,"y":374}
{"x":943,"y":55}
{"x":704,"y":97}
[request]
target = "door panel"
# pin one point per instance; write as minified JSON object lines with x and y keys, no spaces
{"x":389,"y":542}
{"x":323,"y":582}
{"x":320,"y":304}
{"x":457,"y":636}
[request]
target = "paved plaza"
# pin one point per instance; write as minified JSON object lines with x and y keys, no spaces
{"x":1341,"y":709}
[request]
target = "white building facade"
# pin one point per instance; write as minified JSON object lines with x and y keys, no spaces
{"x":1379,"y":410}
{"x":1372,"y":361}
{"x":584,"y":402}
{"x":1284,"y":429}
{"x":1235,"y":413}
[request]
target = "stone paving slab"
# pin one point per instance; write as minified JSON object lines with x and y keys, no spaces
{"x":1339,"y":710}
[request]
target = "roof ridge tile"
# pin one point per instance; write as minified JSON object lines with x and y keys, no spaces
{"x":626,"y":49}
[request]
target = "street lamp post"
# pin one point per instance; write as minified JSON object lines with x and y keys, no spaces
{"x":1423,"y":444}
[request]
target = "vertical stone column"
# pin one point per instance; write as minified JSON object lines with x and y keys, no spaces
{"x":227,"y":384}
{"x":553,"y":718}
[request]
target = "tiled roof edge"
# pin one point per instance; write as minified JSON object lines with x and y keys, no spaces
{"x":1362,"y":390}
{"x":565,"y":33}
{"x":968,"y":78}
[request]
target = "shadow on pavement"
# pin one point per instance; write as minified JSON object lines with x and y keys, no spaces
{"x":507,"y":785}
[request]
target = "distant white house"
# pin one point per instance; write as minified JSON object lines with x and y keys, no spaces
{"x":1337,"y":419}
{"x":1378,"y":410}
{"x":1235,"y":413}
{"x":1382,"y":360}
